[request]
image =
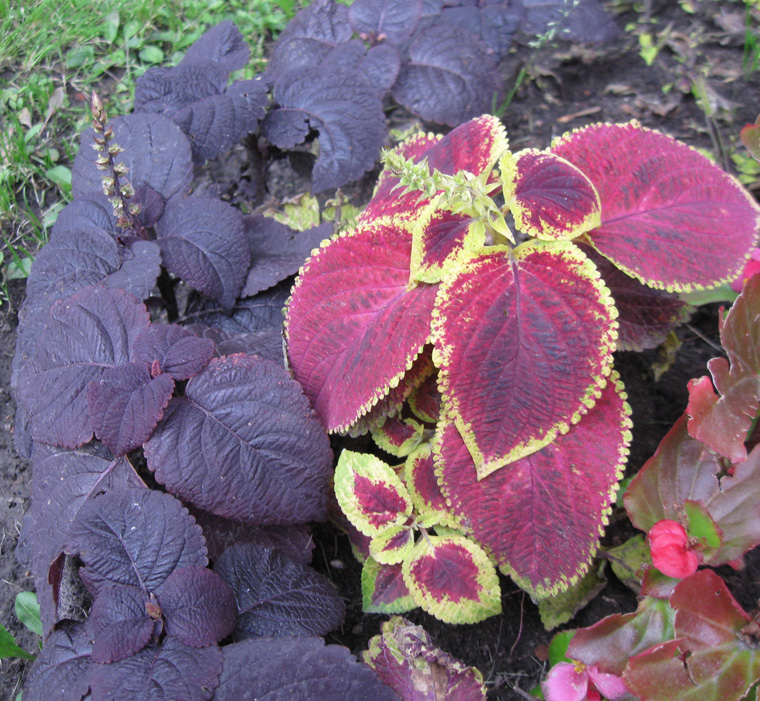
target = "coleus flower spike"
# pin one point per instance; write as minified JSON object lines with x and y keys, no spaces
{"x":671,"y":553}
{"x":579,"y":682}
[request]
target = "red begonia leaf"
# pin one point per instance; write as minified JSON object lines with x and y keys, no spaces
{"x":397,"y":436}
{"x":549,"y":197}
{"x":524,"y":342}
{"x":541,"y":517}
{"x":670,"y":217}
{"x":723,"y":421}
{"x":452,"y":578}
{"x":383,"y":589}
{"x":353,"y":328}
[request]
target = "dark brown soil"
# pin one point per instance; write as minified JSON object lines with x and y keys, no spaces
{"x":566,"y":88}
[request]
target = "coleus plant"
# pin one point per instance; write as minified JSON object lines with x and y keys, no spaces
{"x":517,"y":324}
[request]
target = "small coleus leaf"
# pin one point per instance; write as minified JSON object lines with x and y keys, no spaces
{"x":714,"y":653}
{"x":164,"y":672}
{"x":203,"y":242}
{"x":546,"y":296}
{"x":134,"y":537}
{"x":276,"y":596}
{"x":352,"y":296}
{"x":370,"y":493}
{"x":549,"y":197}
{"x":393,"y":545}
{"x":270,"y":459}
{"x":723,"y":421}
{"x":383,"y":589}
{"x":179,"y":353}
{"x":684,"y":470}
{"x":397,"y":436}
{"x":425,"y":400}
{"x":508,"y":510}
{"x":404,"y":657}
{"x":423,"y":486}
{"x":450,"y":76}
{"x":452,"y":579}
{"x":391,"y":20}
{"x":670,"y":217}
{"x":296,"y":668}
{"x":84,"y":334}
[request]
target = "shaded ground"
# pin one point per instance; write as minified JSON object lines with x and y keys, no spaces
{"x":700,"y":53}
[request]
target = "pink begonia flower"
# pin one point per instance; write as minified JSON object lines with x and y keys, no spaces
{"x":671,"y":555}
{"x":580,"y":682}
{"x":751,"y":268}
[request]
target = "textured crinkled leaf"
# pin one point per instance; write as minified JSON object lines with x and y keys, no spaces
{"x":452,"y":578}
{"x":397,"y":436}
{"x":683,"y":469}
{"x":345,"y":111}
{"x":392,"y":20}
{"x":393,"y":545}
{"x":495,"y":24}
{"x":670,"y":217}
{"x":179,"y":353}
{"x":136,"y":537}
{"x":85,"y":213}
{"x":573,"y":20}
{"x":156,"y":153}
{"x":198,"y":606}
{"x":166,"y":91}
{"x":549,"y":197}
{"x":118,"y":624}
{"x":404,"y":657}
{"x":421,"y":481}
{"x":349,"y":301}
{"x":62,"y":670}
{"x":545,"y":329}
{"x":370,"y":493}
{"x":243,"y":443}
{"x":85,"y":334}
{"x":277,"y":251}
{"x":383,"y":589}
{"x":425,"y":400}
{"x":723,"y":421}
{"x":164,"y":672}
{"x":126,"y":403}
{"x":541,"y":517}
{"x":380,"y":66}
{"x":222,"y":43}
{"x":203,"y":242}
{"x":645,"y":315}
{"x":276,"y":596}
{"x":450,"y":76}
{"x":559,"y":609}
{"x":296,"y":668}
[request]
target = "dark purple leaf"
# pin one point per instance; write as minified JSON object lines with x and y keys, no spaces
{"x":203,"y":242}
{"x":342,"y":108}
{"x":277,"y":596}
{"x":84,"y":334}
{"x":165,"y":672}
{"x":245,"y":444}
{"x":126,"y":403}
{"x":198,"y":605}
{"x":267,"y":343}
{"x":168,"y":90}
{"x":309,"y":37}
{"x":450,"y":77}
{"x":494,"y":24}
{"x":84,"y":213}
{"x":393,"y":20}
{"x":134,"y":537}
{"x":156,"y":152}
{"x":118,"y":624}
{"x":294,"y":541}
{"x":296,"y":668}
{"x":575,"y":20}
{"x":224,"y":44}
{"x":277,"y":251}
{"x":62,"y":670}
{"x":179,"y":353}
{"x":381,"y":65}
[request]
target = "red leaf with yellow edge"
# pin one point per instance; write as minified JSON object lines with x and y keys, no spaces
{"x":353,"y":329}
{"x":549,"y":197}
{"x":452,"y":578}
{"x":542,"y":516}
{"x":670,"y":216}
{"x":393,"y":545}
{"x":383,"y":589}
{"x":420,"y":479}
{"x":425,"y":400}
{"x":397,"y":436}
{"x":524,"y":342}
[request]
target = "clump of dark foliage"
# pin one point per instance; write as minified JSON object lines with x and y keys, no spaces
{"x":111,"y":395}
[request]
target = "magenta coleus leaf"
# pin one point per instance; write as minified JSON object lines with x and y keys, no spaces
{"x":425,"y":400}
{"x":383,"y":589}
{"x":420,"y":479}
{"x":348,"y":302}
{"x":393,"y":545}
{"x":541,"y":518}
{"x":545,"y":330}
{"x":549,"y":197}
{"x":452,"y":578}
{"x":398,"y":437}
{"x":670,"y":217}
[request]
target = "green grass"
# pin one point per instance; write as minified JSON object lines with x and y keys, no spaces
{"x":53,"y":53}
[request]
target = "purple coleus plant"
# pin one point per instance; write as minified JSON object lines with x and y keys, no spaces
{"x":516,"y":324}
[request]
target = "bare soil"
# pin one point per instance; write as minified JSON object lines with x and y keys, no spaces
{"x":566,"y":88}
